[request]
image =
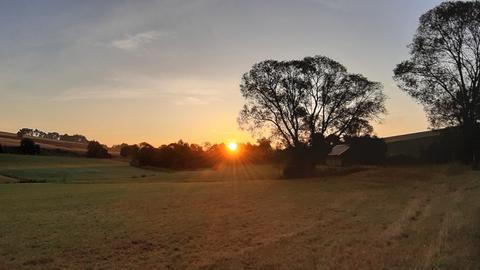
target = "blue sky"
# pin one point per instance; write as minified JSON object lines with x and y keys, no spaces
{"x":158,"y":71}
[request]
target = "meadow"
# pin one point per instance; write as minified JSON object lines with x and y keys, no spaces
{"x":11,"y":139}
{"x":74,"y":213}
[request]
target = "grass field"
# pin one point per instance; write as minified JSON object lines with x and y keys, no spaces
{"x":12,"y":140}
{"x":105,"y":215}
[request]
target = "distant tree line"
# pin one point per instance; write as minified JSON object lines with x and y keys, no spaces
{"x":184,"y":156}
{"x":51,"y":135}
{"x":28,"y":146}
{"x":365,"y":150}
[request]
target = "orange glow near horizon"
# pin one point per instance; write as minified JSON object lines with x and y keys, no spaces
{"x":232,"y":146}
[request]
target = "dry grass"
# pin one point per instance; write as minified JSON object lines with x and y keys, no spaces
{"x":380,"y":218}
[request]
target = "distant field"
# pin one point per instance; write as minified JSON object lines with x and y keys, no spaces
{"x":55,"y":169}
{"x":11,"y":139}
{"x":238,"y":217}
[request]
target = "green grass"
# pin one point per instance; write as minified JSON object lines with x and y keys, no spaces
{"x":240,"y":217}
{"x":67,"y":169}
{"x":53,"y":169}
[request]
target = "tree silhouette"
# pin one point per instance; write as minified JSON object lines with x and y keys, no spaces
{"x":129,"y":151}
{"x":443,"y":72}
{"x":29,"y":147}
{"x":51,"y":135}
{"x":274,"y":94}
{"x":294,"y":100}
{"x":96,"y":150}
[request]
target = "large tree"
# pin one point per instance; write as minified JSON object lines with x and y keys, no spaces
{"x":297,"y":100}
{"x":443,"y":72}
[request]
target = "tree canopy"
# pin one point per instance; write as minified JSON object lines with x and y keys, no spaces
{"x":96,"y":150}
{"x":51,"y":135}
{"x":295,"y":100}
{"x":443,"y":72}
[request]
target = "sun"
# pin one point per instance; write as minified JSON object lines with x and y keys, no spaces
{"x":232,"y":146}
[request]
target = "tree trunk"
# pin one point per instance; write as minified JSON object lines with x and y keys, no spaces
{"x":476,"y":148}
{"x":469,"y":155}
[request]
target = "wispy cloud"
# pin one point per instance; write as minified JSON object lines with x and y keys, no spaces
{"x":122,"y":86}
{"x":195,"y":101}
{"x":132,"y":42}
{"x":105,"y":93}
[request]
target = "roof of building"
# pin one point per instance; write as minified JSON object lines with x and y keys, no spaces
{"x":412,"y":136}
{"x":338,"y":150}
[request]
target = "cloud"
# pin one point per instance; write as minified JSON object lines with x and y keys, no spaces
{"x":132,"y":42}
{"x":104,"y":93}
{"x":181,"y":92}
{"x":195,"y":101}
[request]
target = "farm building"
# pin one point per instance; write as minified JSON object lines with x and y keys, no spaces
{"x":335,"y":157}
{"x":411,"y":145}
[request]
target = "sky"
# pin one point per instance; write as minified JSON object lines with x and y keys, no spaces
{"x":159,"y":71}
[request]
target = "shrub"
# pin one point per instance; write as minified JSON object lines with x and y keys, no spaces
{"x":96,"y":150}
{"x":366,"y":150}
{"x":28,"y":147}
{"x":129,"y":150}
{"x":300,"y":163}
{"x":447,"y":148}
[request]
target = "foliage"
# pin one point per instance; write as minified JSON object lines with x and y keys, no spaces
{"x":256,"y":153}
{"x":28,"y":147}
{"x":299,"y":163}
{"x":321,"y":146}
{"x":448,"y":147}
{"x":73,"y":138}
{"x":129,"y":151}
{"x":51,"y":135}
{"x":177,"y":156}
{"x":443,"y":72}
{"x":366,"y":150}
{"x":294,"y":100}
{"x":185,"y":156}
{"x":96,"y":150}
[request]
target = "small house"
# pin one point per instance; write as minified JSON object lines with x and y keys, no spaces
{"x":335,"y":157}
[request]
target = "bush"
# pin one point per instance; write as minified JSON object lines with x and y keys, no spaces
{"x":96,"y":150}
{"x":145,"y":157}
{"x":300,"y":163}
{"x":28,"y":147}
{"x":448,"y":148}
{"x":365,"y":150}
{"x":129,"y":151}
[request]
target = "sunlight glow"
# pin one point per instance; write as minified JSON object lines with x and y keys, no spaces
{"x":232,"y":146}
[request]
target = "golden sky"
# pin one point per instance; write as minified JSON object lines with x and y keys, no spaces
{"x":159,"y":71}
